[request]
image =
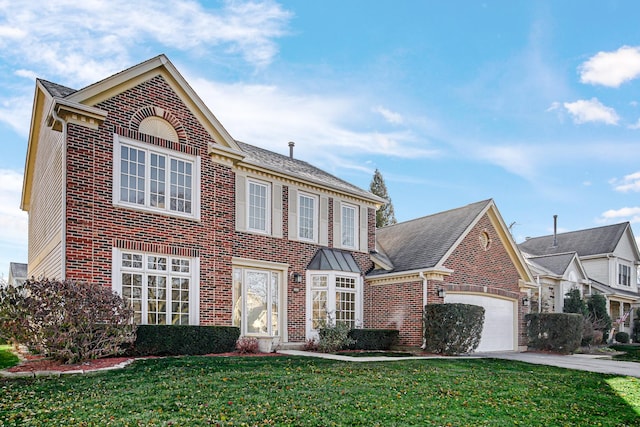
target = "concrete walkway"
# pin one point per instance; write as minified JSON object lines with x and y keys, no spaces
{"x":582,"y":362}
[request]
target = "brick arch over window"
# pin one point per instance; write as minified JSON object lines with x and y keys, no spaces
{"x":153,"y":111}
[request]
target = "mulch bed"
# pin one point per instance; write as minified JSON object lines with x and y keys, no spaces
{"x":35,"y":363}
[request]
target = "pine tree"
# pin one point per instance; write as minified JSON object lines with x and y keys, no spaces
{"x":385,"y":215}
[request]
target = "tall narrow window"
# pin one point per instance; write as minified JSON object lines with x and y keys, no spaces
{"x":624,"y":275}
{"x":349,"y":226}
{"x":259,"y":207}
{"x":132,"y":174}
{"x":256,"y":301}
{"x":307,"y":217}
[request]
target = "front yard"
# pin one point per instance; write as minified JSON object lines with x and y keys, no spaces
{"x":256,"y":391}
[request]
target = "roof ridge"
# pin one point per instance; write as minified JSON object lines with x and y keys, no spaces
{"x":486,"y":201}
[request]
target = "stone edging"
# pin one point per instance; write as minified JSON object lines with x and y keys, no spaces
{"x":37,"y":374}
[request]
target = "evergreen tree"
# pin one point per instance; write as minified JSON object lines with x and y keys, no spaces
{"x":573,"y":303}
{"x":385,"y":215}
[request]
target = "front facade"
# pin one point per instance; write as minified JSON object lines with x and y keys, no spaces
{"x":133,"y":183}
{"x":609,"y":260}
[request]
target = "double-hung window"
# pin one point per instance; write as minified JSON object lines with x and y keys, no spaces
{"x":307,"y":217}
{"x":624,"y":275}
{"x":155,"y":179}
{"x":259,"y":207}
{"x":349,"y":224}
{"x":161,"y":289}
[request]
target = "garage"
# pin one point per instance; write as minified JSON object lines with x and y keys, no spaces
{"x":498,"y":333}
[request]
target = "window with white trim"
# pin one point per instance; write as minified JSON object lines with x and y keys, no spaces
{"x":256,"y":301}
{"x":259,"y":207}
{"x":624,"y":275}
{"x":349,"y":226}
{"x":161,"y":289}
{"x":155,"y":179}
{"x":307,"y":217}
{"x":333,"y":296}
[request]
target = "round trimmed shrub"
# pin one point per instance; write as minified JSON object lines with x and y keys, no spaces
{"x":622,"y":337}
{"x":452,"y":328}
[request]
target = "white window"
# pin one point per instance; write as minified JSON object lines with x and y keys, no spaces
{"x":161,"y":289}
{"x":307,"y":217}
{"x":349,"y":224}
{"x":333,"y":297}
{"x":624,"y":275}
{"x":259,"y":207}
{"x":256,"y":301}
{"x":155,"y":179}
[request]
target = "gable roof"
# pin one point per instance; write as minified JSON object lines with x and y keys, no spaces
{"x":422,"y":243}
{"x":556,"y":264}
{"x":592,"y":241}
{"x":300,"y":169}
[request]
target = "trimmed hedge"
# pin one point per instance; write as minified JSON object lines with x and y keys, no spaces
{"x":452,"y":328}
{"x":559,"y":332}
{"x":176,"y":340}
{"x":622,"y":337}
{"x":374,"y":339}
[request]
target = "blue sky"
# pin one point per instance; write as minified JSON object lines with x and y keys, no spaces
{"x":533,"y":104}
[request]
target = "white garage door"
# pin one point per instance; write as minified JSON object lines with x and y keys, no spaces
{"x":498,"y":333}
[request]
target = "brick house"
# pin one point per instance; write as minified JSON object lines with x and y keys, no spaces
{"x":133,"y":183}
{"x":464,"y":255}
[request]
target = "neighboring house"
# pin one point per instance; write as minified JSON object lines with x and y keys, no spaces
{"x":132,"y":182}
{"x":609,"y":257}
{"x":464,"y":255}
{"x":555,"y":276}
{"x":17,"y":273}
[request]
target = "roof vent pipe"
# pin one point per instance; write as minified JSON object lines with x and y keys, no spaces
{"x":291,"y":145}
{"x":555,"y":231}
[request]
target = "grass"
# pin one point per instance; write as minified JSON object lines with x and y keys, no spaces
{"x":260,"y":391}
{"x":631,"y":352}
{"x":7,"y":358}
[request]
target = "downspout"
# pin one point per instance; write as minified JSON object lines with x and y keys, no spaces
{"x":424,"y":303}
{"x":63,"y":243}
{"x":539,"y":294}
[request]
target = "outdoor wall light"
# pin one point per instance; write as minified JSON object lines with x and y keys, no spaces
{"x":525,"y":302}
{"x":441,"y":293}
{"x":297,"y":277}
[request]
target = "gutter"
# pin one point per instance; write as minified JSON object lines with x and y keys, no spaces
{"x":63,"y":242}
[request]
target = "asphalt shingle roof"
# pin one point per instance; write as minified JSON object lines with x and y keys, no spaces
{"x":556,"y":264}
{"x":422,"y":242}
{"x":593,"y":241}
{"x":18,"y":269}
{"x":57,"y":90}
{"x":300,"y":169}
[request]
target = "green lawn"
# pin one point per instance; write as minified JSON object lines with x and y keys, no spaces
{"x":257,"y":391}
{"x":632,"y":352}
{"x":7,"y":358}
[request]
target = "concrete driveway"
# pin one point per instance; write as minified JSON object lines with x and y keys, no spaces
{"x":582,"y":362}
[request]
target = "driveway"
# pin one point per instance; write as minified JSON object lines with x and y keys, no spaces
{"x":581,"y":362}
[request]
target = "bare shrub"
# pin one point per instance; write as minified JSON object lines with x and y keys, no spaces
{"x":65,"y":320}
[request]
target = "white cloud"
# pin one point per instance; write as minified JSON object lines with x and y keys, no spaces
{"x":592,"y":110}
{"x":390,"y":116}
{"x":86,"y":41}
{"x":270,"y":116}
{"x":630,"y":182}
{"x":16,"y":112}
{"x":611,"y":68}
{"x":634,"y":126}
{"x":631,"y":214}
{"x":517,"y":159}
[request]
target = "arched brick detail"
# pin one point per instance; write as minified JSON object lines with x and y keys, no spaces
{"x":452,"y":287}
{"x":151,"y":111}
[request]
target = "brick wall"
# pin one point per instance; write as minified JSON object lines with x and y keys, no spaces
{"x":95,"y":226}
{"x":476,"y":269}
